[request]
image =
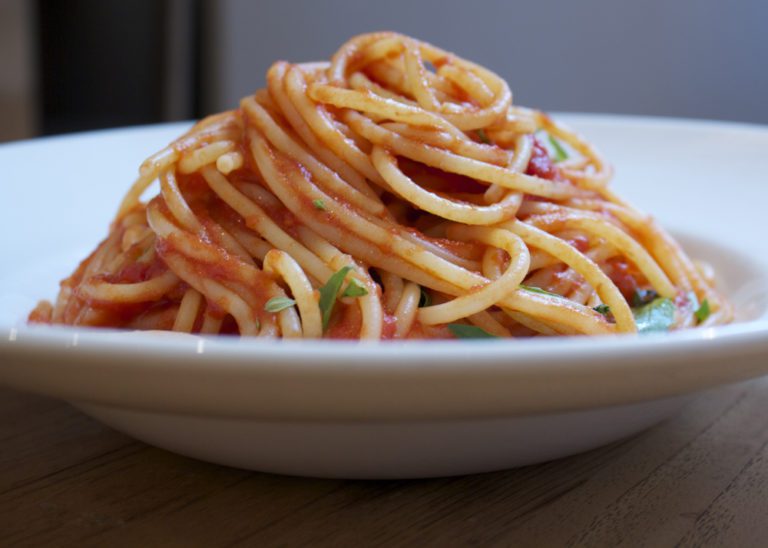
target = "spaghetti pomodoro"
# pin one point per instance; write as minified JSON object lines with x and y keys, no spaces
{"x":394,"y":192}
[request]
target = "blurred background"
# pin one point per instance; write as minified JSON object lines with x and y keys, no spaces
{"x":72,"y":65}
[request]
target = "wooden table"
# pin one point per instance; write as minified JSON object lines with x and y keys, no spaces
{"x":699,"y":479}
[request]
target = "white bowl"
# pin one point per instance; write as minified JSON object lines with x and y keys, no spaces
{"x":388,"y":410}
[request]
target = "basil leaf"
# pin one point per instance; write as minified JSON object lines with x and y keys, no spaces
{"x":560,"y":153}
{"x":329,"y":292}
{"x":703,"y":312}
{"x":540,"y":291}
{"x":276,"y":304}
{"x":603,"y":309}
{"x":483,"y":137}
{"x":464,"y":331}
{"x":643,"y":296}
{"x":319,"y":204}
{"x":425,"y":299}
{"x":658,"y":315}
{"x":355,"y":289}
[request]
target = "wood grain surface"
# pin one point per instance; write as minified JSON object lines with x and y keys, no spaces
{"x":699,"y":479}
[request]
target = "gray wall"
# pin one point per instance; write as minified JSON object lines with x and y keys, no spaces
{"x":691,"y":58}
{"x":17,"y":90}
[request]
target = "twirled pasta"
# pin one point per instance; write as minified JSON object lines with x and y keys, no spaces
{"x":394,"y":192}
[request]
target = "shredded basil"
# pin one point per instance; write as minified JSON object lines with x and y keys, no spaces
{"x":539,"y":290}
{"x":483,"y":137}
{"x":603,"y":309}
{"x":276,"y":304}
{"x":425,"y":299}
{"x":464,"y":331}
{"x":319,"y":204}
{"x":329,"y":292}
{"x":355,"y":289}
{"x":703,"y":312}
{"x":658,"y":315}
{"x":560,"y":153}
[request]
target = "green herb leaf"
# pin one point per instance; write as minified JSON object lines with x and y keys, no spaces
{"x":643,"y":296}
{"x":319,"y":204}
{"x":703,"y":312}
{"x":464,"y":331}
{"x":276,"y":304}
{"x":658,"y":315}
{"x":483,"y":137}
{"x":540,"y":291}
{"x":425,"y":299}
{"x":603,"y":309}
{"x":329,"y":292}
{"x":355,"y":289}
{"x":560,"y":153}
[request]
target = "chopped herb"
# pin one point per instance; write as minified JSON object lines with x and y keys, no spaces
{"x":560,"y":153}
{"x":355,"y":289}
{"x":539,"y":290}
{"x":425,"y":299}
{"x":464,"y":331}
{"x":603,"y":309}
{"x":658,"y":315}
{"x":276,"y":304}
{"x":703,"y":312}
{"x":329,"y":292}
{"x":483,"y":137}
{"x":319,"y":204}
{"x":643,"y":296}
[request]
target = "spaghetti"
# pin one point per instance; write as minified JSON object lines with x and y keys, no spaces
{"x":394,"y":192}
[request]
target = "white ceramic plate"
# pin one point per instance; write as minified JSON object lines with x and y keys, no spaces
{"x":393,"y":409}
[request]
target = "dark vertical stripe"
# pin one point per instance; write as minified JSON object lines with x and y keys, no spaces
{"x":100,"y":63}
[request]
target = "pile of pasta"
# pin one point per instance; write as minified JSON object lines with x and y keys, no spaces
{"x":394,"y":192}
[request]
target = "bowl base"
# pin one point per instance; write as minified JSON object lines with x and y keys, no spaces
{"x":385,"y":449}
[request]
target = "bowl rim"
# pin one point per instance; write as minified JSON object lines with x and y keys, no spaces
{"x":347,"y":380}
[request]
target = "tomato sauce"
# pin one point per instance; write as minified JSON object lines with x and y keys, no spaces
{"x":345,"y":322}
{"x":541,"y":165}
{"x":388,"y":329}
{"x":623,"y":276}
{"x":137,"y":272}
{"x":580,"y":242}
{"x":437,"y":180}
